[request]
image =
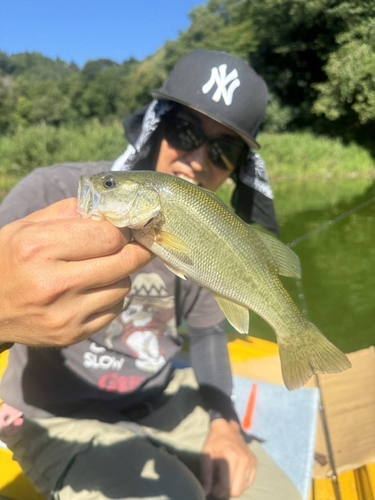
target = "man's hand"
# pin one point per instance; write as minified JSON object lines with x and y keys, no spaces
{"x":228,"y":467}
{"x":63,"y":277}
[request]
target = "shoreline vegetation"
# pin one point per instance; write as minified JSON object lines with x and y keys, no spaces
{"x":288,"y":156}
{"x":316,"y":57}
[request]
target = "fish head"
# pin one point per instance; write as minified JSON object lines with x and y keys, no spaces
{"x":117,"y":197}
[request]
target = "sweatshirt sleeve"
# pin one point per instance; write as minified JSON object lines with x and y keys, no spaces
{"x":44,"y":186}
{"x":28,"y":196}
{"x":210,"y":362}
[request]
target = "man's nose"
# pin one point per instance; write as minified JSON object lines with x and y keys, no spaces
{"x":198,"y":158}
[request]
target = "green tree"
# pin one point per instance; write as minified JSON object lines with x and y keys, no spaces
{"x":138,"y":84}
{"x":347,"y":98}
{"x":92,"y":68}
{"x":293,"y":41}
{"x":317,"y":57}
{"x":6,"y":66}
{"x":35,"y":65}
{"x":102,"y":96}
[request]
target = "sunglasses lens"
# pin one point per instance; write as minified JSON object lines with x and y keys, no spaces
{"x":225,"y":155}
{"x":183,"y":135}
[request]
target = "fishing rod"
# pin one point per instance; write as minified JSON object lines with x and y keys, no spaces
{"x":302,"y":297}
{"x":322,"y":408}
{"x":330,"y":223}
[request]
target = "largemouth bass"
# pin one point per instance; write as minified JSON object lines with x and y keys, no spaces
{"x":199,"y":237}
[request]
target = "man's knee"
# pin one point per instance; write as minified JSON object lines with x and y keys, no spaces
{"x":129,"y":469}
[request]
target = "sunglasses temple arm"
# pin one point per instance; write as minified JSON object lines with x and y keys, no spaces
{"x":227,"y":162}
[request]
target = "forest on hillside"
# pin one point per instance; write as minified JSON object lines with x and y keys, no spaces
{"x":317,"y":57}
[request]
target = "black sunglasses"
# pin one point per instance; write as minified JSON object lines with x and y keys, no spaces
{"x":184,"y":135}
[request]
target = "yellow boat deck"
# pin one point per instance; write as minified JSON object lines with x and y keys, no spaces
{"x":356,"y":484}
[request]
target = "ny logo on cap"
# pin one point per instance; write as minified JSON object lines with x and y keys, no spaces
{"x":226,"y":84}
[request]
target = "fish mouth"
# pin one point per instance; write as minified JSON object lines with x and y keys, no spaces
{"x":88,"y":198}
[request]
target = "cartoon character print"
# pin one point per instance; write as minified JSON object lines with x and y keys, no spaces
{"x":148,"y":317}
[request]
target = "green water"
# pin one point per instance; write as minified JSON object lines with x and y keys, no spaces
{"x":338,"y":261}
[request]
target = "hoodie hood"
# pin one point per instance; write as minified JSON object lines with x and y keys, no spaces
{"x":252,"y":198}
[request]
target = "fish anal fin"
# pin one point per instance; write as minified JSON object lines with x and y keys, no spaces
{"x":171,"y":242}
{"x":287,"y":261}
{"x":238,"y":316}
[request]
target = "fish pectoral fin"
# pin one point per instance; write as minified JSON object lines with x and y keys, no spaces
{"x":168,"y":240}
{"x":287,"y":261}
{"x":238,"y":316}
{"x":175,"y":271}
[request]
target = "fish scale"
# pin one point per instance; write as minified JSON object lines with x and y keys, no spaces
{"x":197,"y":236}
{"x":205,"y":269}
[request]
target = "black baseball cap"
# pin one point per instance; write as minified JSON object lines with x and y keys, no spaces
{"x":221,"y":86}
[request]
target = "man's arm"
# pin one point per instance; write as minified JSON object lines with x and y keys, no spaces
{"x":227,"y":467}
{"x":210,"y":361}
{"x":63,"y":277}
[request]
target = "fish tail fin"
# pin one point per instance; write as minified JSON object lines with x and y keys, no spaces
{"x":309,"y":353}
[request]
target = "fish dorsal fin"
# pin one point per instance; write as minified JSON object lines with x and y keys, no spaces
{"x":238,"y":316}
{"x":286,"y":260}
{"x":175,"y":271}
{"x":170,"y":241}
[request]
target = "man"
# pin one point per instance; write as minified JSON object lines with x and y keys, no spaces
{"x":110,"y":417}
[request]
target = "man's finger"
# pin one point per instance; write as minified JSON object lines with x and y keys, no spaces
{"x":63,"y":209}
{"x":221,"y":487}
{"x":100,"y":320}
{"x":242,"y":477}
{"x":206,"y":471}
{"x":69,"y":239}
{"x":99,"y":272}
{"x":239,"y":481}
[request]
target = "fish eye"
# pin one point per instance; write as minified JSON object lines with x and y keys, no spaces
{"x":109,"y":182}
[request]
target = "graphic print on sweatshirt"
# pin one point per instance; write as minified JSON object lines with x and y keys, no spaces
{"x":136,"y":345}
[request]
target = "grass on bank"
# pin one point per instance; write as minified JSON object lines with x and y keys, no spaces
{"x":304,"y":155}
{"x":287,"y":155}
{"x":45,"y":145}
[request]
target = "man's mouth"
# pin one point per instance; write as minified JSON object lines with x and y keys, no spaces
{"x":186,"y":178}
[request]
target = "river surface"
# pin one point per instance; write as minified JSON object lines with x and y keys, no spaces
{"x":331,"y":226}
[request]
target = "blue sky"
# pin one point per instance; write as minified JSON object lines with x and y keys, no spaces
{"x":79,"y":30}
